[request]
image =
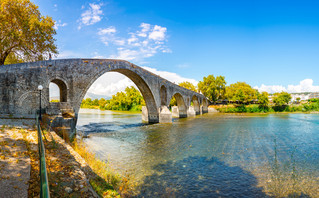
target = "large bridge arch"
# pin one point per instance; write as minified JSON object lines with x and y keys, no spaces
{"x":144,"y":88}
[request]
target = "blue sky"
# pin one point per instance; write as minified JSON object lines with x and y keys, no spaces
{"x":271,"y":45}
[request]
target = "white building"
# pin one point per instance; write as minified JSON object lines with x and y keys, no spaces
{"x":302,"y":96}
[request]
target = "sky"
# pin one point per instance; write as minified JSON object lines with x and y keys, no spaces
{"x":271,"y":45}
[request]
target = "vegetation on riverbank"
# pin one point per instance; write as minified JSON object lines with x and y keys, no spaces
{"x":309,"y":106}
{"x":129,"y":100}
{"x":107,"y":183}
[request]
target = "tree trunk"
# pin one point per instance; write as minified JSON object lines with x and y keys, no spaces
{"x":2,"y":61}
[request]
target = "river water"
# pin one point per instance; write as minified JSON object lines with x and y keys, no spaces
{"x":211,"y":155}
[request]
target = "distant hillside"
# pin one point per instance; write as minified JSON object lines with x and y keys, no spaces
{"x":96,"y":96}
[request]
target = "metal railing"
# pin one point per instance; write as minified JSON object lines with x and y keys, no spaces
{"x":44,"y":184}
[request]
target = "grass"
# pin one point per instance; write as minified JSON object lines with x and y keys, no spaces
{"x":107,"y":183}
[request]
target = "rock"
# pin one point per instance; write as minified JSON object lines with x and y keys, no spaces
{"x":84,"y":190}
{"x":68,"y":189}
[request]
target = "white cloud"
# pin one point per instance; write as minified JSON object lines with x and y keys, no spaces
{"x":68,"y":54}
{"x":158,"y":33}
{"x":141,"y":44}
{"x":305,"y":85}
{"x":55,"y":7}
{"x":109,"y":30}
{"x":59,"y":24}
{"x":127,"y":54}
{"x":107,"y":34}
{"x":173,"y":77}
{"x":91,"y":15}
{"x":112,"y":82}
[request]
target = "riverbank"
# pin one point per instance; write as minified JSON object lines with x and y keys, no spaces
{"x":69,"y":174}
{"x":116,"y":111}
{"x":255,"y":108}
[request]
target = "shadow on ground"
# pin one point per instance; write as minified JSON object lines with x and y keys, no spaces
{"x":200,"y":177}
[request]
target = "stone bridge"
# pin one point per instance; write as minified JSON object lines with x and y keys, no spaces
{"x":19,"y":97}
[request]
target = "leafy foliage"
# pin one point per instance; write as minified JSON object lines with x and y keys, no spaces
{"x":263,"y":100}
{"x":188,"y":85}
{"x":213,"y":88}
{"x":130,"y":100}
{"x":281,"y":98}
{"x":241,"y":92}
{"x":24,"y":33}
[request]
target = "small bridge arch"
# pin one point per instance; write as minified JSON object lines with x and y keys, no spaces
{"x":181,"y":109}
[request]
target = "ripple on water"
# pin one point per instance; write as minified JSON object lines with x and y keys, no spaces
{"x":216,"y":155}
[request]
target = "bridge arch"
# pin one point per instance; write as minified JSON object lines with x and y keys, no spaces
{"x":63,"y":89}
{"x":181,"y":105}
{"x":196,"y":104}
{"x":153,"y":115}
{"x":204,"y":105}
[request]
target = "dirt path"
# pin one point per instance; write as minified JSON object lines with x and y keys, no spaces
{"x":19,"y":166}
{"x":14,"y":164}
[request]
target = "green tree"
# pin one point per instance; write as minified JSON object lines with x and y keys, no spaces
{"x":24,"y":33}
{"x":281,"y":98}
{"x":263,"y":100}
{"x":188,"y":85}
{"x":173,"y":102}
{"x":86,"y":103}
{"x":130,"y":100}
{"x":298,"y":99}
{"x":241,"y":92}
{"x":95,"y":102}
{"x":102,"y":103}
{"x":12,"y":59}
{"x":213,"y":88}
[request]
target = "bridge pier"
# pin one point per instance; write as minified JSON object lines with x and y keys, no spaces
{"x":175,"y":112}
{"x":165,"y":115}
{"x":144,"y":114}
{"x":191,"y":112}
{"x":61,"y":117}
{"x":204,"y":109}
{"x":149,"y":118}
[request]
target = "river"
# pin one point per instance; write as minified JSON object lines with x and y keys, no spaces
{"x":211,"y":155}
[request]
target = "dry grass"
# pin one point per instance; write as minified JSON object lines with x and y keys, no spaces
{"x":113,"y":181}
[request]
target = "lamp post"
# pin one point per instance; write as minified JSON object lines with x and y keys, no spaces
{"x":40,"y":87}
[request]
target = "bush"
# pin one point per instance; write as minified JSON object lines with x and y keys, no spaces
{"x":314,"y":100}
